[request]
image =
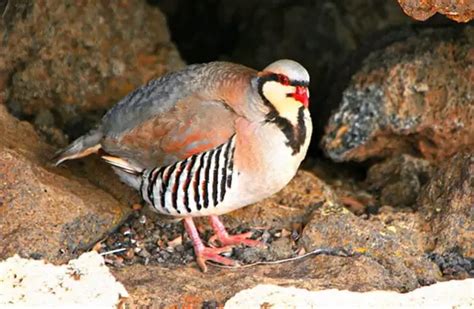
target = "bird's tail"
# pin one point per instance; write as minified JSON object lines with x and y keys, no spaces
{"x":81,"y":147}
{"x":128,"y":172}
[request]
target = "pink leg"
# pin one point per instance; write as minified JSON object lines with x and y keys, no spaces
{"x":228,"y":240}
{"x":202,"y":252}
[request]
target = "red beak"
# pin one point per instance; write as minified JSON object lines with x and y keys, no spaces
{"x":301,"y":94}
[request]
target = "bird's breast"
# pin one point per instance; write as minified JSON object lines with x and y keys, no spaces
{"x":264,"y":162}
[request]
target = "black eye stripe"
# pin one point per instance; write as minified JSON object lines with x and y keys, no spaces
{"x":274,"y":77}
{"x":299,"y":83}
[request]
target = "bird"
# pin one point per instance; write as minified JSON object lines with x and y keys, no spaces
{"x":206,"y":140}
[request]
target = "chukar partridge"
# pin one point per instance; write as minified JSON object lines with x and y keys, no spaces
{"x":207,"y":140}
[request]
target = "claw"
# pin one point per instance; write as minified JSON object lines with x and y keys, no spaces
{"x":212,"y":254}
{"x":225,"y":239}
{"x":234,"y":240}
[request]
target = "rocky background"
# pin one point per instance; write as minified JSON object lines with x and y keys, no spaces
{"x":388,"y":184}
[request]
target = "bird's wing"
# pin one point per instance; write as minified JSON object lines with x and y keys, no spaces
{"x":191,"y":126}
{"x":169,"y":118}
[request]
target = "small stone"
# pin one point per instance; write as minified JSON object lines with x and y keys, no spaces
{"x":144,"y":253}
{"x":266,"y":236}
{"x":175,"y":242}
{"x":136,"y":207}
{"x":165,"y":254}
{"x":285,"y":233}
{"x":125,"y":230}
{"x":160,"y":243}
{"x":129,"y":254}
{"x":281,"y":249}
{"x":301,"y":251}
{"x":210,"y":304}
{"x":227,"y":254}
{"x":295,"y":235}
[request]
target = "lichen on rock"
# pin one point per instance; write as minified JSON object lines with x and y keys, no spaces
{"x":415,"y":96}
{"x":460,"y":11}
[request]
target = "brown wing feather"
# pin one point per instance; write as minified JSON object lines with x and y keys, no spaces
{"x":190,"y":127}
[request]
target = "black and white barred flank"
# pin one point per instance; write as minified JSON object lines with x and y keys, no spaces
{"x":186,"y":187}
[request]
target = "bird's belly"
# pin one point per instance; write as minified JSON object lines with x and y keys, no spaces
{"x":247,"y":187}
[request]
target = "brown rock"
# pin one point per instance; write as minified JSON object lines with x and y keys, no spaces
{"x":69,"y":62}
{"x":447,"y":207}
{"x":158,"y":286}
{"x":392,"y":253}
{"x":415,"y":96}
{"x":460,"y":11}
{"x":398,"y":180}
{"x":46,"y":212}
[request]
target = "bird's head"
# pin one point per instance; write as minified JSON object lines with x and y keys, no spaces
{"x":283,"y":86}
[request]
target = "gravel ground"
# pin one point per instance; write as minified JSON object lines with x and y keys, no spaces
{"x":144,"y":238}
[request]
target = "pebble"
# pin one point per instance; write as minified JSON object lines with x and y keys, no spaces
{"x":129,"y":254}
{"x":266,"y":236}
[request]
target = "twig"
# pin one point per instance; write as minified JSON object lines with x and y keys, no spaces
{"x":113,"y":251}
{"x":329,"y":251}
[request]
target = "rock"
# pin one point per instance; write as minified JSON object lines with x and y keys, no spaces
{"x":453,"y":265}
{"x":452,"y":294}
{"x":373,"y":238}
{"x":66,"y":63}
{"x":460,"y":11}
{"x":398,"y":180}
{"x":446,"y":207}
{"x":85,"y":281}
{"x":46,"y":212}
{"x":415,"y":97}
{"x":167,"y":286}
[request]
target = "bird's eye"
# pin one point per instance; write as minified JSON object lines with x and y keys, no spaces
{"x":283,"y":79}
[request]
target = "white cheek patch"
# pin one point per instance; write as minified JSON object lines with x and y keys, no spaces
{"x":285,"y":105}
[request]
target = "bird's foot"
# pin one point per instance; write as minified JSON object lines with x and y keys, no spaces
{"x":204,"y":253}
{"x":224,"y":239}
{"x":213,"y":254}
{"x":234,"y":240}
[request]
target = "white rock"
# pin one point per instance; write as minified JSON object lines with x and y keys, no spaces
{"x":85,"y":281}
{"x":450,"y":294}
